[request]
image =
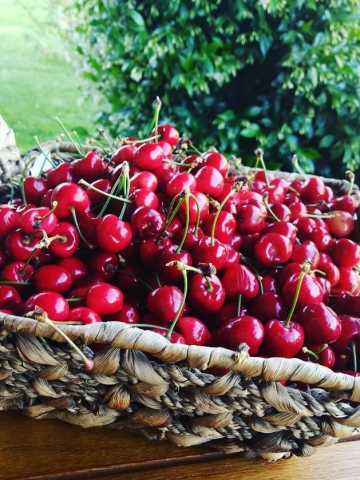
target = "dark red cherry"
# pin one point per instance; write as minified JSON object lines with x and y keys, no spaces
{"x":273,"y":249}
{"x":313,"y":190}
{"x":210,"y":181}
{"x":53,"y":278}
{"x":34,"y":189}
{"x":105,"y":264}
{"x":52,"y":303}
{"x":327,"y":357}
{"x":149,"y":156}
{"x":60,"y":174}
{"x":232,"y":256}
{"x":297,"y":210}
{"x":346,"y":253}
{"x":180,"y":183}
{"x":349,"y":281}
{"x":341,"y":223}
{"x":283,"y":228}
{"x":329,"y":268}
{"x":102,"y":184}
{"x":91,"y":167}
{"x":126,"y":153}
{"x":240,"y":330}
{"x":85,"y":315}
{"x":251,"y":219}
{"x":69,"y":196}
{"x":194,"y":331}
{"x":21,"y":246}
{"x":144,"y":198}
{"x":192,"y":238}
{"x":268,"y":306}
{"x":113,"y":235}
{"x":228,"y":311}
{"x":10,"y":298}
{"x":145,"y":180}
{"x":282,"y":340}
{"x":239,"y":280}
{"x":350,"y":332}
{"x":216,"y":160}
{"x":76,"y":268}
{"x":165,"y":173}
{"x":9,"y":219}
{"x":310,"y":291}
{"x":348,"y":203}
{"x":209,"y":251}
{"x":169,"y":134}
{"x":147,"y":222}
{"x":306,"y":252}
{"x":322,"y":239}
{"x":67,"y":243}
{"x":225,"y":226}
{"x":282,"y":212}
{"x":320,"y":323}
{"x":150,"y":250}
{"x":200,"y":201}
{"x":169,"y":254}
{"x":17,"y":272}
{"x":40,"y":218}
{"x":105,"y":299}
{"x":206,"y":292}
{"x":174,"y":338}
{"x":128,"y":314}
{"x":164,"y":303}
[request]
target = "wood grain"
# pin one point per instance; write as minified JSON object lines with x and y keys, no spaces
{"x":51,"y":450}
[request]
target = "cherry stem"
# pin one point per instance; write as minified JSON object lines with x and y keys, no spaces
{"x":68,"y":134}
{"x":197,"y":223}
{"x":351,"y":178}
{"x":319,"y":215}
{"x":173,"y":210}
{"x":260,"y":280}
{"x":113,"y":192}
{"x":260,"y":159}
{"x":14,"y":282}
{"x":187,"y":222}
{"x":238,"y":305}
{"x":354,"y":355}
{"x":74,"y":299}
{"x":44,"y":318}
{"x":156,"y":116}
{"x":219,"y":210}
{"x":310,"y":353}
{"x":126,"y":187}
{"x":76,"y":222}
{"x":181,"y":308}
{"x":194,"y":148}
{"x":146,"y":325}
{"x":305,"y":269}
{"x":109,"y":195}
{"x":270,"y":210}
{"x":296,"y":165}
{"x":136,"y":142}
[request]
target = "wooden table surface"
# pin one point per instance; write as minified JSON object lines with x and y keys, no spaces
{"x":52,"y":450}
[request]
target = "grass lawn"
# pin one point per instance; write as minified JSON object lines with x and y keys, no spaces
{"x":36,"y":82}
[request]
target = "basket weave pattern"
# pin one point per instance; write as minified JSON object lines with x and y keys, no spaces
{"x":141,"y":381}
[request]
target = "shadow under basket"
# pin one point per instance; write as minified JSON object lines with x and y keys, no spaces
{"x":140,"y":381}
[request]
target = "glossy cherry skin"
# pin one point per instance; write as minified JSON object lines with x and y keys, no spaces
{"x":346,"y":253}
{"x":85,"y":315}
{"x":169,"y":134}
{"x":347,"y":203}
{"x":34,"y":189}
{"x":341,"y":223}
{"x":69,"y":196}
{"x":282,"y":340}
{"x":126,"y":153}
{"x":273,"y":249}
{"x":113,"y":235}
{"x":240,"y":330}
{"x":232,"y":256}
{"x":206,"y":293}
{"x":225,"y":226}
{"x":41,"y":218}
{"x":350,"y":332}
{"x":52,"y":278}
{"x":150,"y":250}
{"x":76,"y":268}
{"x":192,"y":238}
{"x":105,"y":299}
{"x":9,"y":219}
{"x":306,"y":252}
{"x":164,"y":174}
{"x":164,"y":303}
{"x":210,"y":181}
{"x":202,"y":202}
{"x":149,"y":156}
{"x":329,"y":268}
{"x":166,"y":148}
{"x":180,"y":183}
{"x":68,"y":244}
{"x":320,"y":323}
{"x":297,"y":210}
{"x":267,"y":306}
{"x":21,"y":246}
{"x":60,"y":174}
{"x":327,"y":357}
{"x":322,"y":239}
{"x":10,"y":298}
{"x":239,"y":280}
{"x":345,"y":303}
{"x":313,"y":190}
{"x":91,"y":167}
{"x":194,"y":331}
{"x":17,"y":272}
{"x":310,"y":291}
{"x":349,"y":281}
{"x":128,"y":314}
{"x":170,"y":254}
{"x":228,"y":311}
{"x":145,"y":180}
{"x":52,"y":303}
{"x":104,"y":264}
{"x":282,"y":212}
{"x":208,"y":252}
{"x":175,"y":337}
{"x":144,"y":198}
{"x":102,"y":184}
{"x":283,"y":228}
{"x":216,"y":160}
{"x":251,"y":219}
{"x":147,"y":222}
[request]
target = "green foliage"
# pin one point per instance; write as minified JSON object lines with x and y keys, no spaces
{"x":283,"y":74}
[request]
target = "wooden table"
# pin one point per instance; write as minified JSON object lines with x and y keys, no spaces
{"x":51,"y":450}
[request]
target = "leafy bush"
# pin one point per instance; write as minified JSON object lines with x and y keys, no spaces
{"x":280,"y":73}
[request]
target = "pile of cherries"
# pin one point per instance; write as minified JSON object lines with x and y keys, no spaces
{"x":163,"y":237}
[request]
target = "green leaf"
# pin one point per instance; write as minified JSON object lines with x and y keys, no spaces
{"x":251,"y":131}
{"x":137,"y":18}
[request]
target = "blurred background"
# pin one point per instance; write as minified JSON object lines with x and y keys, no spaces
{"x":236,"y":74}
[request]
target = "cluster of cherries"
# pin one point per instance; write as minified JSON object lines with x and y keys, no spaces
{"x":158,"y":237}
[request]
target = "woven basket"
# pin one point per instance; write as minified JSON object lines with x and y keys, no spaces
{"x":141,"y":381}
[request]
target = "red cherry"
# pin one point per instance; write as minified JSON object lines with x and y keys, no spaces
{"x":68,"y":242}
{"x":282,"y":212}
{"x":341,"y":223}
{"x":349,"y":281}
{"x":239,"y":280}
{"x":128,"y":314}
{"x":164,"y":174}
{"x":313,"y":190}
{"x":9,"y":220}
{"x":69,"y":196}
{"x":91,"y":167}
{"x":144,"y":198}
{"x":126,"y":153}
{"x":348,"y":203}
{"x":170,"y":254}
{"x":60,"y":174}
{"x":210,"y":181}
{"x":180,"y":183}
{"x":41,"y":218}
{"x":52,"y":303}
{"x":283,"y":228}
{"x":306,"y":252}
{"x":201,"y":201}
{"x":113,"y":235}
{"x":169,"y":134}
{"x":149,"y":156}
{"x":216,"y":160}
{"x":282,"y":340}
{"x":225,"y":226}
{"x":345,"y":303}
{"x":228,"y":311}
{"x":329,"y":268}
{"x":10,"y":298}
{"x":268,"y":306}
{"x":21,"y":246}
{"x":164,"y":303}
{"x":194,"y":331}
{"x":102,"y":184}
{"x":208,"y":251}
{"x":320,"y":323}
{"x":147,"y":222}
{"x":104,"y":298}
{"x":84,"y":315}
{"x":145,"y":180}
{"x":166,"y":148}
{"x":52,"y":278}
{"x":350,"y":332}
{"x":206,"y":292}
{"x":251,"y":219}
{"x":240,"y":330}
{"x":327,"y":357}
{"x":75,"y":267}
{"x":192,"y":238}
{"x":322,"y":239}
{"x":174,"y":338}
{"x":310,"y":291}
{"x":273,"y":249}
{"x":232,"y":256}
{"x":297,"y":210}
{"x":34,"y":189}
{"x":105,"y":264}
{"x":346,"y":253}
{"x":17,"y":272}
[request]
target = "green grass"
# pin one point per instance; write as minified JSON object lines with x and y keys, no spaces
{"x":36,"y":82}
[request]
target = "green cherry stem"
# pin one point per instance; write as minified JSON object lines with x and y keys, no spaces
{"x":156,"y":117}
{"x":76,"y":222}
{"x":218,"y":211}
{"x":146,"y":325}
{"x":354,"y":355}
{"x":113,"y":192}
{"x":296,"y":165}
{"x":351,"y":178}
{"x":187,"y":221}
{"x":269,"y":209}
{"x":14,"y":282}
{"x":181,"y":266}
{"x":238,"y":305}
{"x":305,"y":270}
{"x":197,"y":223}
{"x":310,"y":353}
{"x":126,"y":188}
{"x":260,"y":159}
{"x":109,"y":195}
